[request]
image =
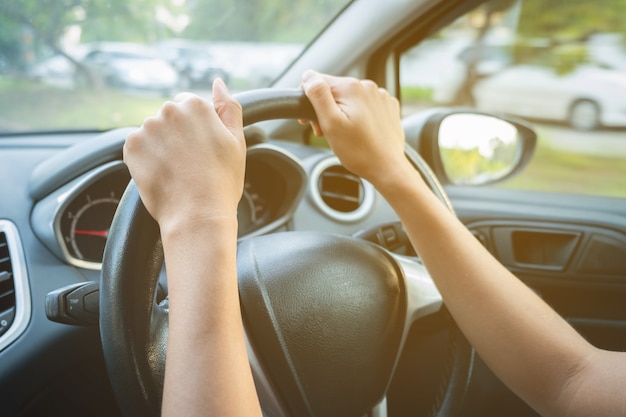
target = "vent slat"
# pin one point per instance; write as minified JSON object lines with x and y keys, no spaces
{"x":340,"y":197}
{"x":341,"y":190}
{"x":15,"y":306}
{"x":7,"y":286}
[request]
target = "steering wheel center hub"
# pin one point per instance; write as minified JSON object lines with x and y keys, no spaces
{"x":325,"y":314}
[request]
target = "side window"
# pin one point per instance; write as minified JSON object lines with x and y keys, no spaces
{"x":559,"y":65}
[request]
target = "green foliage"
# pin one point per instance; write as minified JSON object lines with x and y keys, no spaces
{"x":46,"y":21}
{"x":260,"y":21}
{"x":416,"y":94}
{"x":464,"y":166}
{"x":571,"y":19}
{"x":34,"y":25}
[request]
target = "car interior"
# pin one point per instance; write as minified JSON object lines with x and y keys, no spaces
{"x":83,"y":288}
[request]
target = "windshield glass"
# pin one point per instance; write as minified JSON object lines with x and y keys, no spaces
{"x":99,"y":64}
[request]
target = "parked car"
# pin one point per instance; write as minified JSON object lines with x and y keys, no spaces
{"x":195,"y":64}
{"x":82,"y":334}
{"x":128,"y":67}
{"x":586,"y":97}
{"x":56,"y":70}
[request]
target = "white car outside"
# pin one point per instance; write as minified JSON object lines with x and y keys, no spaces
{"x":586,"y":98}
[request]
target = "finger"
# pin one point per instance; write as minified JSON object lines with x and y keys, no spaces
{"x":228,"y":109}
{"x":331,"y":80}
{"x":183,"y":96}
{"x":369,"y":84}
{"x":319,"y":93}
{"x":317,"y":130}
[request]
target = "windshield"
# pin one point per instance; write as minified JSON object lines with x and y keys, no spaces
{"x":99,"y":64}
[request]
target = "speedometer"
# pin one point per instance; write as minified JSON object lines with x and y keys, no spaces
{"x":89,"y":227}
{"x":85,"y":222}
{"x":73,"y":221}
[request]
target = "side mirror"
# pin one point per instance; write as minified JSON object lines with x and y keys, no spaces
{"x":465,"y":147}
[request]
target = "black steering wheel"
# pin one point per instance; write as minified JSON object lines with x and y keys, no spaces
{"x":326,"y":316}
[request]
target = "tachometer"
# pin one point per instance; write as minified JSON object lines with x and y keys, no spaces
{"x":250,"y":210}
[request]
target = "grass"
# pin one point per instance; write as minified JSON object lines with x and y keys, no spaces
{"x":28,"y":106}
{"x":412,"y":94}
{"x":568,"y":172}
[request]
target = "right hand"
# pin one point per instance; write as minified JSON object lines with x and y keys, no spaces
{"x":361,"y":123}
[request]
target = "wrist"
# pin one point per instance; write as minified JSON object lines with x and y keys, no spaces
{"x":397,"y":179}
{"x":205,"y":226}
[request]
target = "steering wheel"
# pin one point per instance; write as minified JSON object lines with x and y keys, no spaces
{"x":326,"y":316}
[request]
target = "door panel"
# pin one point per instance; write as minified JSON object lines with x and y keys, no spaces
{"x":570,"y":249}
{"x":561,"y":250}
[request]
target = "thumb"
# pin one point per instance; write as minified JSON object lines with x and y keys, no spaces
{"x":319,"y":93}
{"x":227,"y":108}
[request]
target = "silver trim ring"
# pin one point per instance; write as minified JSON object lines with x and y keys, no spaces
{"x":369,"y":194}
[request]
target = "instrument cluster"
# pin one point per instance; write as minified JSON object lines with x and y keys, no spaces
{"x":273,"y":185}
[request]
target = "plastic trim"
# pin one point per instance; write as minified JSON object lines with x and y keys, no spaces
{"x":369,"y":194}
{"x":46,"y":218}
{"x":21,"y":285}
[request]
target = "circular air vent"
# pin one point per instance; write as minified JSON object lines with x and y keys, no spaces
{"x":340,"y":194}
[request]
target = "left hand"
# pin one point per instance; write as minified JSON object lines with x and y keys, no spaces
{"x":188,"y":161}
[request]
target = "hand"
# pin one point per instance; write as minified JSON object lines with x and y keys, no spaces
{"x":188,"y":161}
{"x":361,"y":123}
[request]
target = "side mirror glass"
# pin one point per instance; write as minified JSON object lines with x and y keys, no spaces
{"x":478,"y":149}
{"x":469,"y":147}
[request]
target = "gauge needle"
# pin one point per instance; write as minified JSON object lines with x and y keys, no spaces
{"x":102,"y":233}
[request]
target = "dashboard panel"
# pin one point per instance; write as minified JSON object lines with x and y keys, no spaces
{"x":56,"y":212}
{"x":74,"y":220}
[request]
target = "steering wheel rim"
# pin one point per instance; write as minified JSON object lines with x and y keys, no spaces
{"x":133,"y":327}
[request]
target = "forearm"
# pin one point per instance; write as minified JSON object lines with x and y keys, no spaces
{"x":206,"y":346}
{"x":524,"y":341}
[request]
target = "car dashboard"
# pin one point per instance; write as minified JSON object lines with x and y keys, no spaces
{"x":60,"y":193}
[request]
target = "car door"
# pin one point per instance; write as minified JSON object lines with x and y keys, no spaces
{"x":560,"y":225}
{"x":525,"y":90}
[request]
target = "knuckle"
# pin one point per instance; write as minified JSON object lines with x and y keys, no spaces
{"x":316,"y":89}
{"x":151,"y":125}
{"x":169,"y":109}
{"x":131,"y":146}
{"x":196,"y":103}
{"x":353,"y":83}
{"x":369,"y":85}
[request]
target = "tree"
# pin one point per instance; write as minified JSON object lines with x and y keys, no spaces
{"x":571,"y":19}
{"x":48,"y":21}
{"x":562,"y":27}
{"x":464,"y":94}
{"x":260,"y":20}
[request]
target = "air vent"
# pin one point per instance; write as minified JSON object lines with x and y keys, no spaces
{"x":339,"y":193}
{"x":341,"y":190}
{"x":7,"y":286}
{"x":15,"y":306}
